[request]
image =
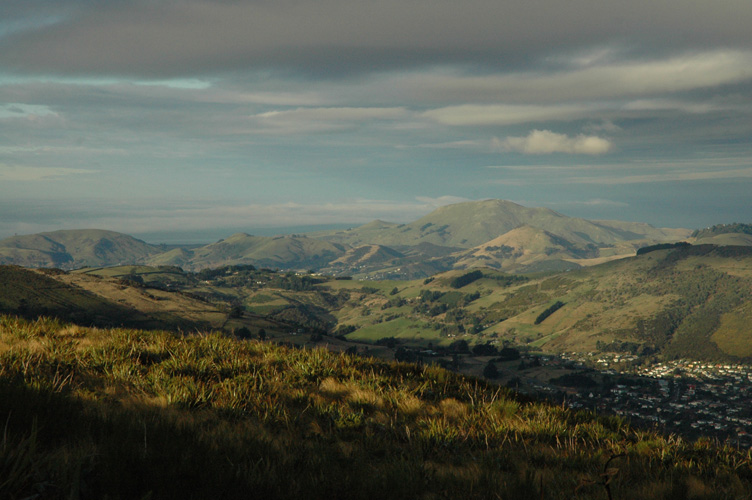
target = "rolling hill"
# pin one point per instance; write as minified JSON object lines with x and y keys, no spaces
{"x":502,"y":235}
{"x":294,"y":251}
{"x":69,"y":249}
{"x":473,"y":223}
{"x":366,"y":256}
{"x":524,"y":248}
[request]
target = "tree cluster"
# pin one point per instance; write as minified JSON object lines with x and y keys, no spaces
{"x":466,"y":279}
{"x":549,"y":311}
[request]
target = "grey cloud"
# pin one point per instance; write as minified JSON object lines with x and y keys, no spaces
{"x":605,"y":81}
{"x":342,"y":36}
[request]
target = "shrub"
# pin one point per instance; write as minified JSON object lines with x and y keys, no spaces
{"x":490,"y":371}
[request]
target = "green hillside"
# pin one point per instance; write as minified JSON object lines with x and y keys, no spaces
{"x":124,"y":414}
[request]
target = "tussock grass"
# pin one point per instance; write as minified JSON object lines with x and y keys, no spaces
{"x":92,"y":413}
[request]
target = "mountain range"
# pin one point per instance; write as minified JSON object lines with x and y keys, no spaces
{"x":490,"y":233}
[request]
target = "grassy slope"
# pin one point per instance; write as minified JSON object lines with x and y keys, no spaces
{"x":126,"y":414}
{"x":98,"y":297}
{"x":32,"y":293}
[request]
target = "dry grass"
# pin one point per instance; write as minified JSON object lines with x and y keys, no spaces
{"x":126,"y":414}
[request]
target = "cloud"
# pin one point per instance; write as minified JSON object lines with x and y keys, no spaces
{"x":26,"y":111}
{"x":595,"y":202}
{"x":441,"y":200}
{"x":306,"y":120}
{"x":626,"y":173}
{"x":618,"y":79}
{"x":675,"y":176}
{"x":501,"y":114}
{"x":316,"y":99}
{"x":603,"y":126}
{"x":334,"y":114}
{"x":181,"y":37}
{"x":464,"y":144}
{"x":547,"y":142}
{"x":674,"y":105}
{"x":20,"y":173}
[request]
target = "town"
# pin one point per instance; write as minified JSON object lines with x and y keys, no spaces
{"x":685,"y":397}
{"x":689,"y":398}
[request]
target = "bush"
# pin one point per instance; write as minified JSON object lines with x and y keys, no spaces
{"x":344,"y":330}
{"x":389,"y":342}
{"x":429,"y":296}
{"x":459,"y":346}
{"x":243,"y":333}
{"x":484,"y":350}
{"x":405,"y":355}
{"x":490,"y":371}
{"x":509,"y":354}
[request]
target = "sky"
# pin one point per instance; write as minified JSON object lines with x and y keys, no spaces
{"x":189,"y":119}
